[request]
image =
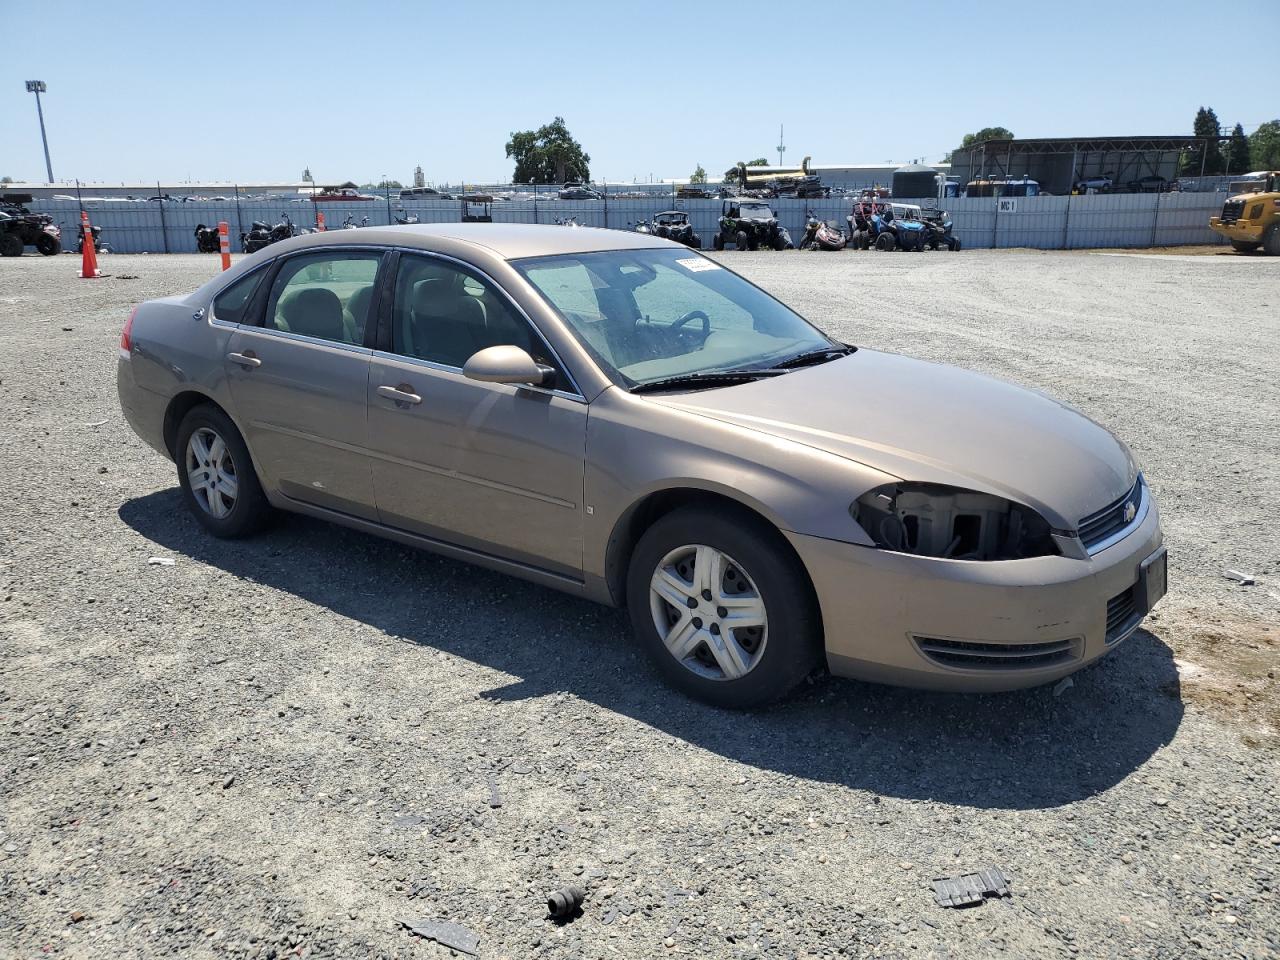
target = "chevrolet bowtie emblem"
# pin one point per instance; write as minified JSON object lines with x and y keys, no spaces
{"x":1130,"y":511}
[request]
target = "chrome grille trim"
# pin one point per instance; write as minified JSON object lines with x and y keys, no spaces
{"x":998,"y":657}
{"x":1107,"y":527}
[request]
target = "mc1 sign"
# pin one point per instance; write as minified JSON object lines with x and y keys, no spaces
{"x":1006,"y":205}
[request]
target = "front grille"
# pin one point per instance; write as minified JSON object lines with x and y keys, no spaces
{"x":968,"y":655}
{"x":1232,"y":211}
{"x":1122,"y":614}
{"x":1110,"y":519}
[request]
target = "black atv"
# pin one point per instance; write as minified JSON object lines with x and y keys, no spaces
{"x":750,"y":225}
{"x":937,"y":230}
{"x":22,"y":228}
{"x":671,"y":225}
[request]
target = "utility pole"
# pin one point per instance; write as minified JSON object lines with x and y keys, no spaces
{"x":38,"y":87}
{"x":781,"y":145}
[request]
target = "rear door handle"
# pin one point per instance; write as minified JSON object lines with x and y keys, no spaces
{"x":244,"y":359}
{"x":402,"y":394}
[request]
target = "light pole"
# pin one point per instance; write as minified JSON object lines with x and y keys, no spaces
{"x":37,"y":87}
{"x":781,"y":145}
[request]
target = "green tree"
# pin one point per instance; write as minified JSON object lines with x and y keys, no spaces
{"x":986,"y":133}
{"x":548,"y":155}
{"x":10,"y":179}
{"x":731,"y":175}
{"x":390,"y":185}
{"x":1208,"y":157}
{"x":699,"y":175}
{"x":1238,"y":151}
{"x":1264,"y":147}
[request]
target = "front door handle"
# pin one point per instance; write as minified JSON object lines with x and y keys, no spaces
{"x":245,"y":359}
{"x":403,"y":395}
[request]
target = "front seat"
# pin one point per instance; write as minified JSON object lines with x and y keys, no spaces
{"x":316,"y":312}
{"x":448,"y":324}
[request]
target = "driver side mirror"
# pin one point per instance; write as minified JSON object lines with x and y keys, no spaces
{"x":507,"y":364}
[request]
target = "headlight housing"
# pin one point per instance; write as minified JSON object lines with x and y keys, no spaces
{"x":932,"y":520}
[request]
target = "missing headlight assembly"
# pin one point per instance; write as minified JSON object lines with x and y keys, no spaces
{"x":931,"y":520}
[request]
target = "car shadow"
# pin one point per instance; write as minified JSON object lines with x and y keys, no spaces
{"x":1026,"y":749}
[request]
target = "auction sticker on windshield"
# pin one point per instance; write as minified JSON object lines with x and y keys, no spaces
{"x":695,"y":264}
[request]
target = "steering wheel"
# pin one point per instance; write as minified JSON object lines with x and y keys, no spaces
{"x":693,"y":315}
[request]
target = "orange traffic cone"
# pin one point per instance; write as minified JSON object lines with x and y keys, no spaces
{"x":89,"y":265}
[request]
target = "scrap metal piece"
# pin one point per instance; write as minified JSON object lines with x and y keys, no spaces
{"x":446,"y":934}
{"x":1244,"y":579}
{"x":971,"y":888}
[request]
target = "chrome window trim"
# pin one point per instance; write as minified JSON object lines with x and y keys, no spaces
{"x":576,"y":394}
{"x":358,"y":348}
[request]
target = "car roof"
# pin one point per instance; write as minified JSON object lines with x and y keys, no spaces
{"x":510,"y":241}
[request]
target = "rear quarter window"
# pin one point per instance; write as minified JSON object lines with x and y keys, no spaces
{"x":230,"y":305}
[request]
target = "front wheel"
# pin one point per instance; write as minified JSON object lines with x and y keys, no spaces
{"x":1271,"y":240}
{"x":1244,"y":246}
{"x":10,"y":245}
{"x":48,"y":245}
{"x":217,"y":477}
{"x":885,"y":242}
{"x":723,"y":607}
{"x":717,"y":242}
{"x":741,"y":240}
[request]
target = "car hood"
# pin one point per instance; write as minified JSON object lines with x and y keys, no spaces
{"x":934,"y":423}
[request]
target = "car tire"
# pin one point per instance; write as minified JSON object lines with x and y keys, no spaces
{"x":10,"y":245}
{"x":741,"y":240}
{"x":755,"y":564}
{"x":717,"y":242}
{"x":1271,"y":240}
{"x":48,"y":245}
{"x":885,"y":242}
{"x":1244,"y":246}
{"x":779,"y":243}
{"x":209,"y":447}
{"x":954,"y":244}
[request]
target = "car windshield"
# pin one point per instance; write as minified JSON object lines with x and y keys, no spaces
{"x":755,"y":211}
{"x":648,"y":315}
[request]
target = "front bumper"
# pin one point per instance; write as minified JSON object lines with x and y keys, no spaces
{"x":1246,"y":231}
{"x":891,"y":617}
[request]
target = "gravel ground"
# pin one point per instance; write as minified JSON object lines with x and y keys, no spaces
{"x":280,"y":748}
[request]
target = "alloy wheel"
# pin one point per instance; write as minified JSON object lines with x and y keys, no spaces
{"x":708,"y":612}
{"x":211,"y":473}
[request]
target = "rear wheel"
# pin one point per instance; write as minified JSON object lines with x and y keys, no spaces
{"x":885,"y":242}
{"x":217,"y":476}
{"x":723,"y":607}
{"x":779,"y":243}
{"x":10,"y":245}
{"x":1244,"y":246}
{"x":48,"y":245}
{"x":741,"y":240}
{"x":717,"y":242}
{"x":953,"y":244}
{"x":1271,"y":240}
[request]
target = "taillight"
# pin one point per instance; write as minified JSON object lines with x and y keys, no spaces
{"x":126,"y":335}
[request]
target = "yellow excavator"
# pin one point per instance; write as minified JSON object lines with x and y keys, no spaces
{"x":1251,"y":217}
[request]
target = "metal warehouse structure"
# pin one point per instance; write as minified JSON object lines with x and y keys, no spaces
{"x":1059,"y":163}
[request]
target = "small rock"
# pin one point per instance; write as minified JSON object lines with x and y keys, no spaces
{"x":1161,"y":801}
{"x":102,"y":469}
{"x":77,"y":916}
{"x":230,"y":779}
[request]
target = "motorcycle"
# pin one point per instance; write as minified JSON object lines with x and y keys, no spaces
{"x":262,"y":235}
{"x":820,"y":235}
{"x":407,"y":219}
{"x":567,"y":222}
{"x":99,"y":245}
{"x":350,"y":223}
{"x":207,"y":240}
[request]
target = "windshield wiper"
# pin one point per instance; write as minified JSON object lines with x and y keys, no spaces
{"x":726,"y":378}
{"x":813,"y":357}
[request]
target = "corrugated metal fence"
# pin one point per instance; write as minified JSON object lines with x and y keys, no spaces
{"x":1046,"y":223}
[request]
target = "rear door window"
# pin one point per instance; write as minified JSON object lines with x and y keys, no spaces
{"x":324,"y":295}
